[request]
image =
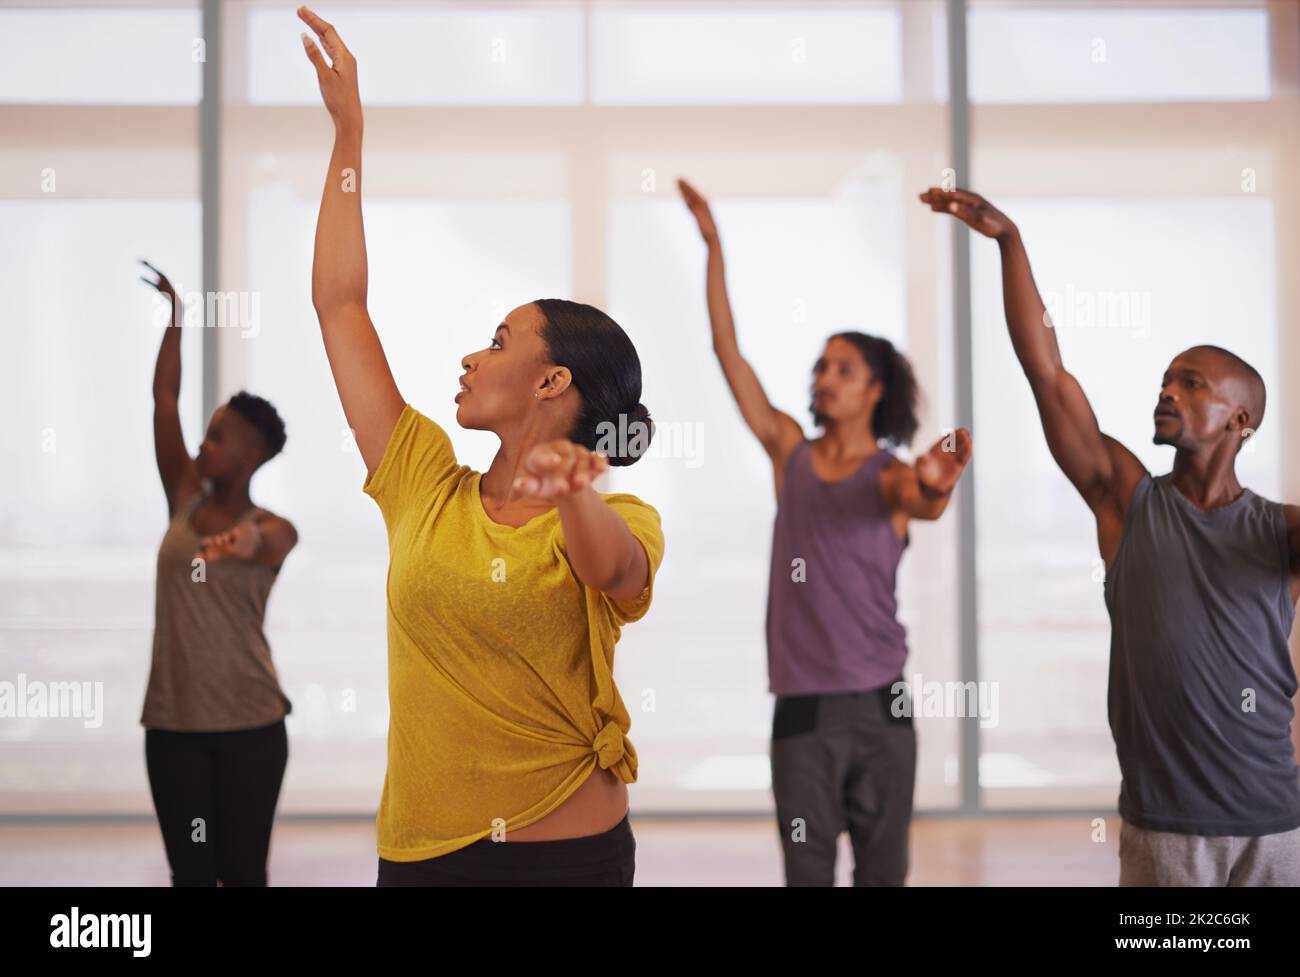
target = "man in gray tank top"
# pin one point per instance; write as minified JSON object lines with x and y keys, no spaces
{"x":1201,"y":585}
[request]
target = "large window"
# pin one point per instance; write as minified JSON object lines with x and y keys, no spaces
{"x":1089,"y":52}
{"x":98,"y":167}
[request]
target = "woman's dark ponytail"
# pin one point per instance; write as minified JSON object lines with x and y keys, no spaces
{"x":894,"y":419}
{"x":607,"y":374}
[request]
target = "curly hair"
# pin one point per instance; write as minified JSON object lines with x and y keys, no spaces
{"x":894,"y":419}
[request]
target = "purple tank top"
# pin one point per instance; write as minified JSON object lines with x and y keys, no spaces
{"x":831,"y":611}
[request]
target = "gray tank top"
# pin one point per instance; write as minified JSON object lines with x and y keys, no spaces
{"x":212,"y":669}
{"x":1201,"y":679}
{"x":831,"y":611}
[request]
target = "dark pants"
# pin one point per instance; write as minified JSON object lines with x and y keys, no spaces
{"x":604,"y":859}
{"x":841,"y":762}
{"x":229,"y":784}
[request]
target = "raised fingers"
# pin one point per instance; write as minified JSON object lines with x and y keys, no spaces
{"x":964,"y":445}
{"x":590,"y":467}
{"x":329,"y":37}
{"x":313,"y":54}
{"x":694,"y":199}
{"x":559,"y":468}
{"x":936,"y":201}
{"x":560,"y":479}
{"x":161,"y":283}
{"x":940,"y":194}
{"x":960,"y":209}
{"x":960,"y":203}
{"x":542,"y":459}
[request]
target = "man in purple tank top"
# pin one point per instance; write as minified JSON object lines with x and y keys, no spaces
{"x":843,"y":757}
{"x":1202,"y":579}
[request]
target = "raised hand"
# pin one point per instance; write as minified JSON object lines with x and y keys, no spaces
{"x":971,"y":209}
{"x":559,"y":468}
{"x":338,"y":80}
{"x":699,"y":208}
{"x":240,"y":541}
{"x":939,"y":469}
{"x":162,"y":284}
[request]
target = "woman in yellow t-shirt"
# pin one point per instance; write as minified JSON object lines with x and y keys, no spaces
{"x":507,"y":589}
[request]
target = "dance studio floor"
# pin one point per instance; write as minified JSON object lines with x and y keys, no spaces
{"x":670,"y":851}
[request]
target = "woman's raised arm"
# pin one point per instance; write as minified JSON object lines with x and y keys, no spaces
{"x":371,"y":400}
{"x":175,"y":466}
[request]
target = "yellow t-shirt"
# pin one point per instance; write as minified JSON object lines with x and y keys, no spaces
{"x":500,"y":661}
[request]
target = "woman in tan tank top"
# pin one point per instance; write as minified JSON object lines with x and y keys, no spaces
{"x":215,"y":741}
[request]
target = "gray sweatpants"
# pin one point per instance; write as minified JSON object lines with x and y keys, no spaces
{"x":1168,"y":858}
{"x":841,"y":762}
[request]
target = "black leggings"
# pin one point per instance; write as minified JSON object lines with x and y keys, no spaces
{"x":608,"y":858}
{"x":230,"y":783}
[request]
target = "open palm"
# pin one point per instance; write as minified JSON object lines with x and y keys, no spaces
{"x":940,"y":468}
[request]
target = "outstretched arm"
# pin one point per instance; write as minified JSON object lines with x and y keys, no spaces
{"x":1101,"y":468}
{"x":175,"y":466}
{"x":777,"y":431}
{"x":604,"y":553}
{"x":371,"y":400}
{"x":266,"y":540}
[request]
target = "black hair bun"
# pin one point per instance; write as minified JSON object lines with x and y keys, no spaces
{"x":640,"y":429}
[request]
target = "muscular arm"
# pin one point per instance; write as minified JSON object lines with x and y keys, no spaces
{"x":1097,"y":465}
{"x":777,"y":431}
{"x":370,"y":398}
{"x":1100,"y":468}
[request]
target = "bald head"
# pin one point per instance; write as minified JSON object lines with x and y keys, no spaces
{"x":1209,"y":398}
{"x":1238,"y":379}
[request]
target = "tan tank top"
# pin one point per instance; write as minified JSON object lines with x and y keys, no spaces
{"x":212,"y":669}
